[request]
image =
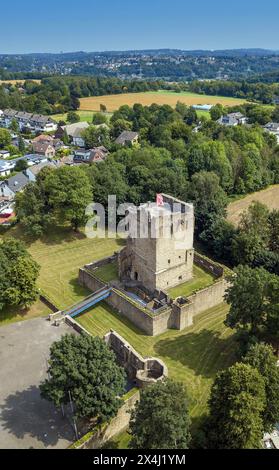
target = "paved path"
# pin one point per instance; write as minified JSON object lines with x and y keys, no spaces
{"x":27,"y":421}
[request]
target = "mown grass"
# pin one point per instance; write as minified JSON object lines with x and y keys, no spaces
{"x":200,"y":280}
{"x":60,"y":254}
{"x":16,"y":314}
{"x":193,"y":356}
{"x":107,"y":273}
{"x":84,"y":116}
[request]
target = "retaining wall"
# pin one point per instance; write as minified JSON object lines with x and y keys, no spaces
{"x":117,"y":425}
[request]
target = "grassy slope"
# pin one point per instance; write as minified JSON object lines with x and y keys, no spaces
{"x":13,"y":315}
{"x":84,"y":116}
{"x":201,"y":279}
{"x":60,"y":254}
{"x":193,"y":356}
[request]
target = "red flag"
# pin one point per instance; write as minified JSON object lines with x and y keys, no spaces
{"x":159,"y":200}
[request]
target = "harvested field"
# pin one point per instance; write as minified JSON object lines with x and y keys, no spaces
{"x":269,"y":197}
{"x":113,"y":102}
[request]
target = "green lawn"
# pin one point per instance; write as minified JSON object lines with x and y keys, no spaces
{"x":193,"y":356}
{"x":60,"y":254}
{"x":120,"y":441}
{"x":84,"y":116}
{"x":13,"y":315}
{"x":107,"y":273}
{"x":200,"y":280}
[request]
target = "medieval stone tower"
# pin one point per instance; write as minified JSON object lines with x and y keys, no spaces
{"x":159,"y":252}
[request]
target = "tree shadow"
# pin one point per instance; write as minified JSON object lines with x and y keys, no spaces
{"x":26,"y":415}
{"x":205,"y":352}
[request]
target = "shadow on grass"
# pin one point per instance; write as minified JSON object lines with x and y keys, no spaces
{"x":26,"y":416}
{"x":78,"y":289}
{"x":204,"y":352}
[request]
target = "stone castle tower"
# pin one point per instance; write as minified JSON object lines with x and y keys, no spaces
{"x":159,"y":254}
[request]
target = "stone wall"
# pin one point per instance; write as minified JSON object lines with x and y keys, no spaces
{"x":102,"y":262}
{"x":208,"y":265}
{"x":177,"y":315}
{"x":117,"y":425}
{"x":87,"y":279}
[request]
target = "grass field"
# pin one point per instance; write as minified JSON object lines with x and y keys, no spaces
{"x":84,"y":116}
{"x":269,"y":197}
{"x":60,"y":254}
{"x":13,"y":315}
{"x":193,"y":356}
{"x":107,"y":273}
{"x":200,"y":280}
{"x":113,"y":102}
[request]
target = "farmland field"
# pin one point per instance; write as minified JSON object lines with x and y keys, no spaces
{"x":193,"y":356}
{"x":269,"y":197}
{"x":14,"y":82}
{"x":113,"y":102}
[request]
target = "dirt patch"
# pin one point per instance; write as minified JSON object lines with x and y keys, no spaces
{"x":269,"y":197}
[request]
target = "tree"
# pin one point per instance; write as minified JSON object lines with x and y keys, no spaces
{"x":216,"y":112}
{"x":5,"y":138}
{"x":69,"y":193}
{"x":209,"y":199}
{"x":99,"y":118}
{"x":73,"y":117}
{"x":21,"y":144}
{"x":261,"y":357}
{"x":236,"y":405}
{"x":85,"y":367}
{"x":14,"y":126}
{"x":103,"y":108}
{"x":18,"y":275}
{"x":94,"y":137}
{"x":252,"y":296}
{"x":161,"y":418}
{"x":21,"y":165}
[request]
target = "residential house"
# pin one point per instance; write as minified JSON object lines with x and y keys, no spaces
{"x":233,"y":119}
{"x":272,"y":128}
{"x":34,"y":122}
{"x":6,"y":167}
{"x":10,"y":187}
{"x":127,"y":138}
{"x":74,"y":132}
{"x":43,"y":138}
{"x":32,"y":171}
{"x":44,"y":148}
{"x":4,"y":154}
{"x":95,"y":155}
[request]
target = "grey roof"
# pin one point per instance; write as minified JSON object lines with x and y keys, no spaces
{"x":126,"y":136}
{"x":74,"y":130}
{"x":272,"y":126}
{"x":35,"y":169}
{"x":18,"y":182}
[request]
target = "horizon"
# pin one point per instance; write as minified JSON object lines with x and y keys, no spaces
{"x":152,"y":25}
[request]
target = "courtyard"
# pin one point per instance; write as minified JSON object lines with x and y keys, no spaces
{"x":26,"y":420}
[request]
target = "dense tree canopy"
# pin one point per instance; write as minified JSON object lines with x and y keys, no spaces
{"x":85,"y":367}
{"x":18,"y":275}
{"x":236,"y":406}
{"x":160,"y":419}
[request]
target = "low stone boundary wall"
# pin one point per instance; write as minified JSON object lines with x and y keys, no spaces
{"x":102,"y":262}
{"x":48,"y":303}
{"x":96,"y":438}
{"x":208,"y":265}
{"x":177,"y":316}
{"x":143,"y":370}
{"x":87,"y":279}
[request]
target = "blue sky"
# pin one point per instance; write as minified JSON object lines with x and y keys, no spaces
{"x":95,"y":25}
